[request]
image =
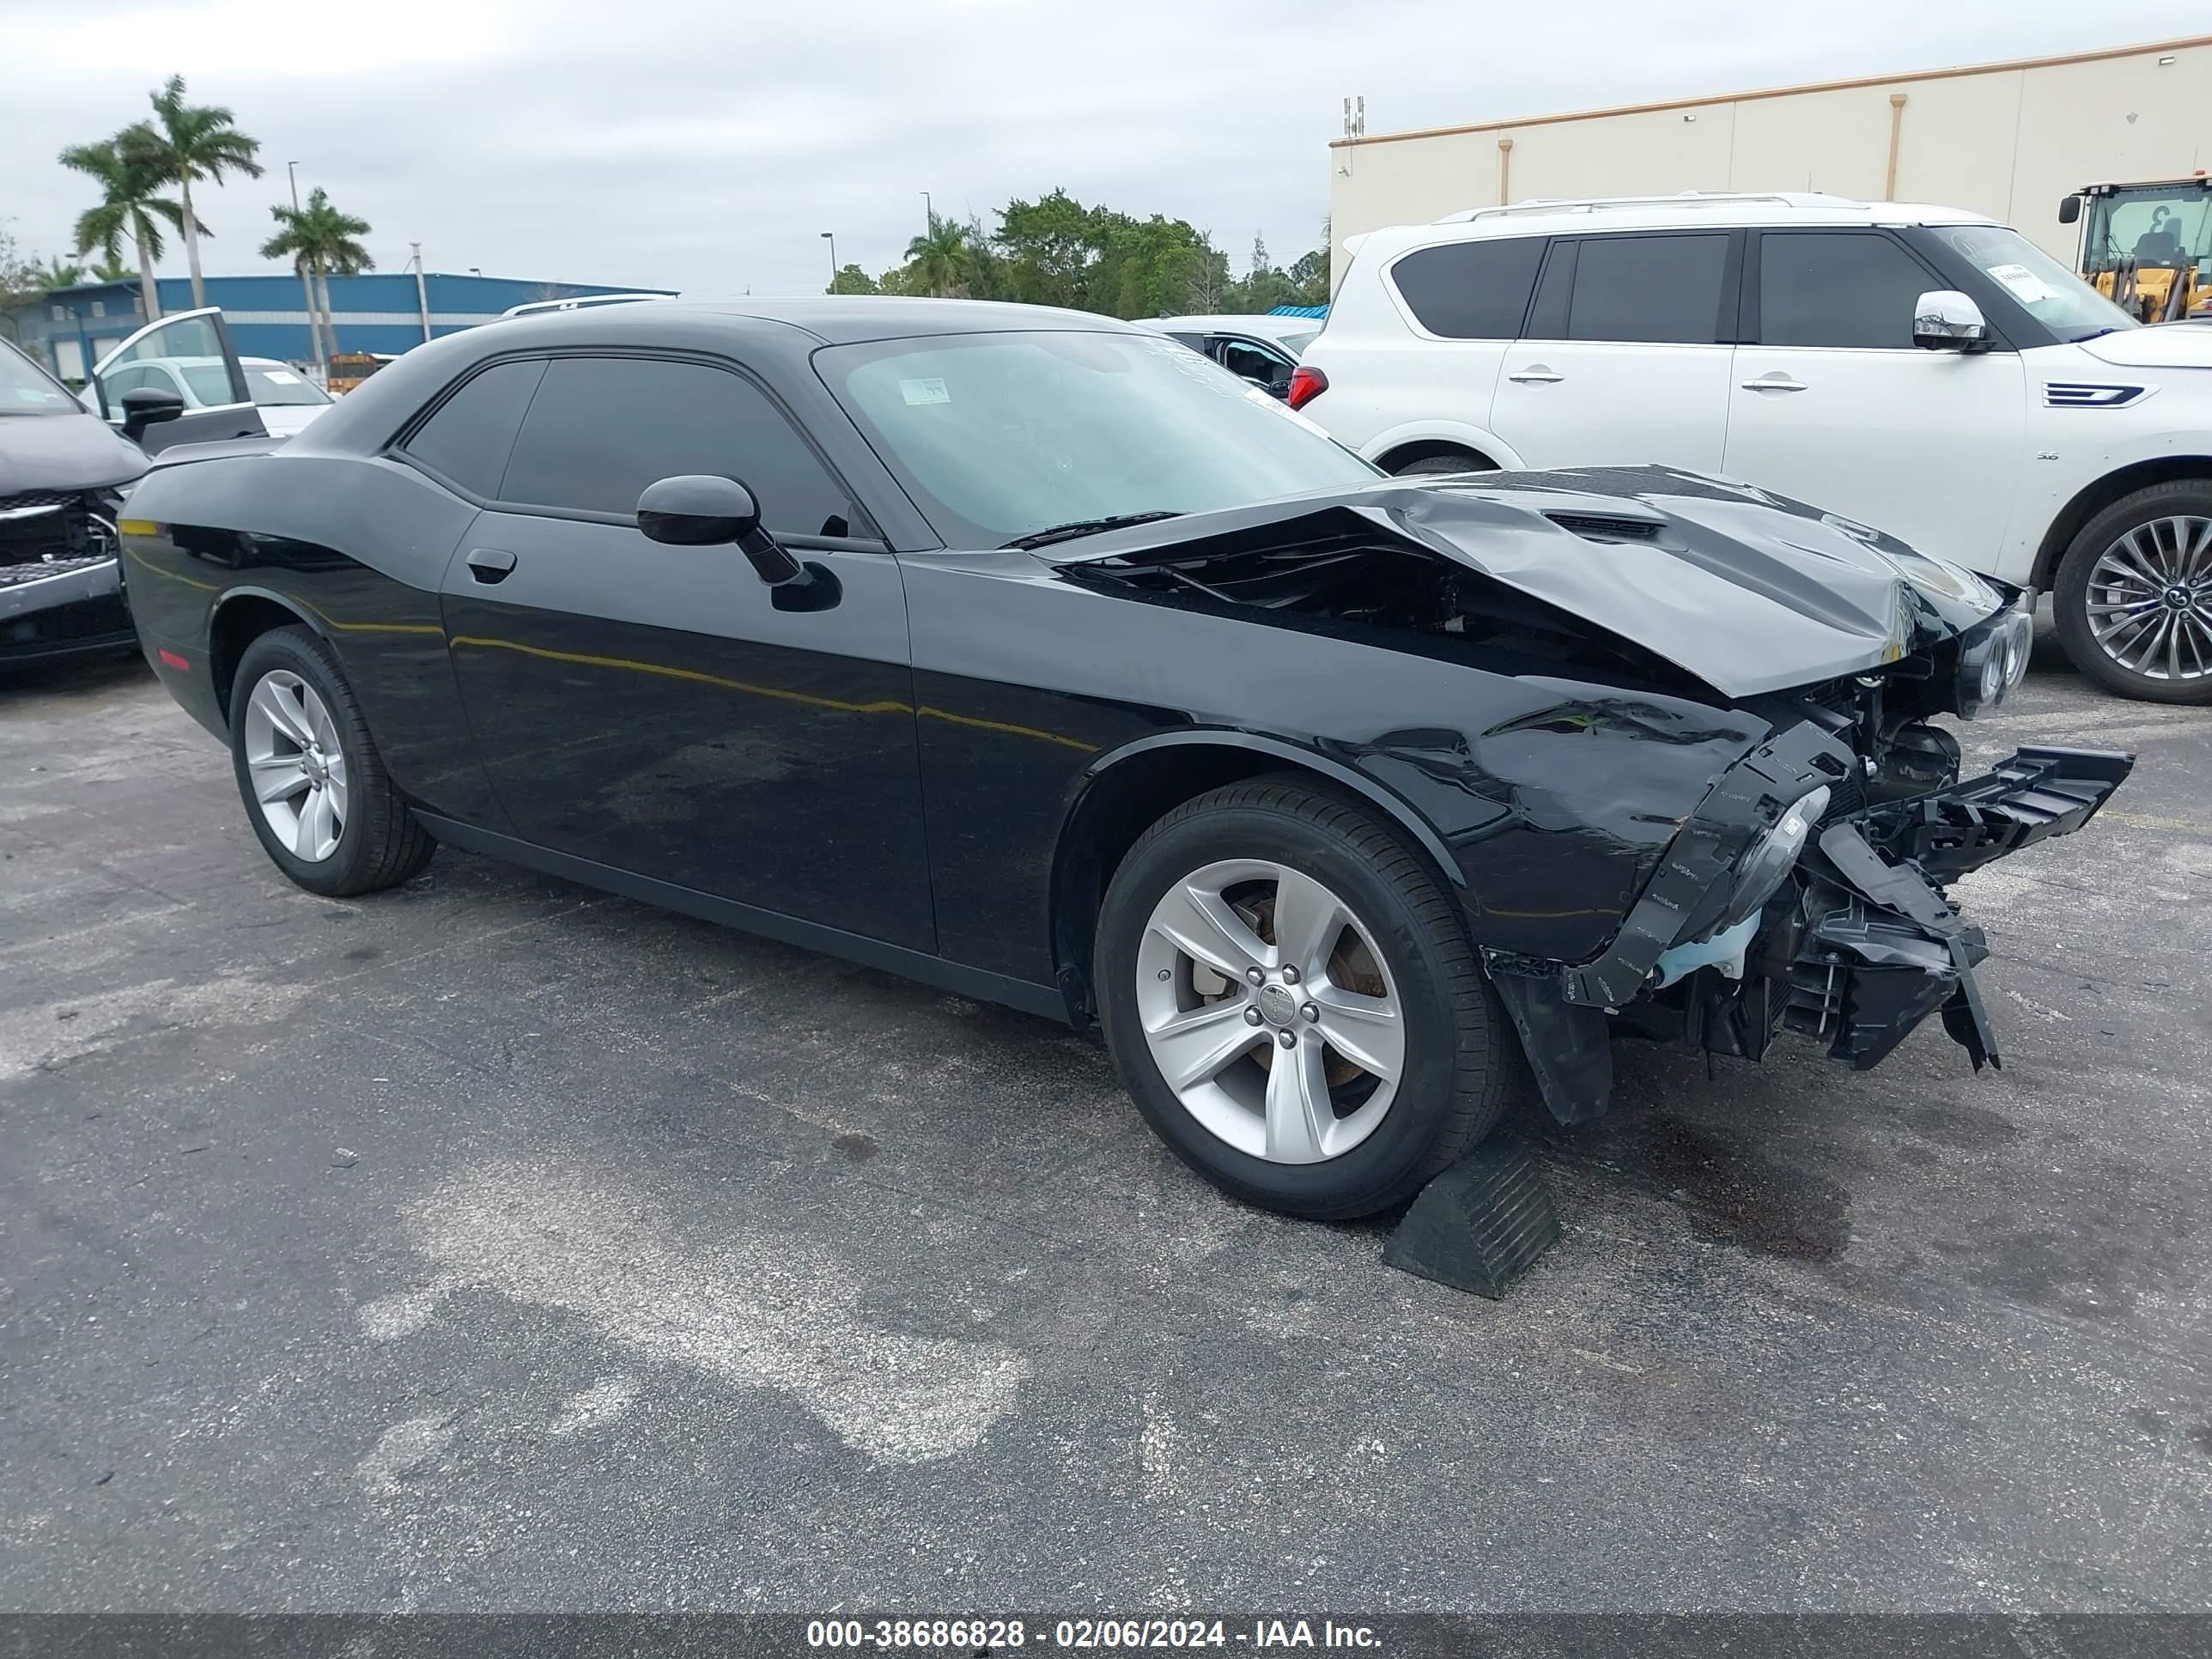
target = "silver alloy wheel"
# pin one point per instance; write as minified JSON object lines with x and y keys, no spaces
{"x":298,"y":767}
{"x":2150,"y":599}
{"x":1269,"y":1012}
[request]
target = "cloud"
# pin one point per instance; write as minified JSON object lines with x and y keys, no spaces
{"x":704,"y":146}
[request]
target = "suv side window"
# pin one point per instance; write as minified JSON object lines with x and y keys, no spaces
{"x":468,"y":438}
{"x":1845,"y":288}
{"x":602,"y":428}
{"x":1650,"y":289}
{"x":1241,"y":357}
{"x":1470,"y":290}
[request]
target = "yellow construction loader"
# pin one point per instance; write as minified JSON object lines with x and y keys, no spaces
{"x":2148,"y":248}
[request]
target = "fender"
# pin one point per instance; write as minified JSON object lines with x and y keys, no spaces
{"x":2068,"y":482}
{"x":1072,"y":908}
{"x":1461,"y":433}
{"x":1320,"y":761}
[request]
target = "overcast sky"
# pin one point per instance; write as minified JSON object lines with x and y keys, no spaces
{"x":705,"y":145}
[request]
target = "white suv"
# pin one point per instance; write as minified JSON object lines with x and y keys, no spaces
{"x":1924,"y":370}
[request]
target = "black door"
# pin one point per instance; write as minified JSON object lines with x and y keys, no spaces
{"x":648,"y":706}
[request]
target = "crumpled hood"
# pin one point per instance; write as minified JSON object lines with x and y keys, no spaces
{"x":2165,"y":345}
{"x":63,"y":451}
{"x":1748,"y":591}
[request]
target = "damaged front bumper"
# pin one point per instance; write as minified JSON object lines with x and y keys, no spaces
{"x":1855,"y":950}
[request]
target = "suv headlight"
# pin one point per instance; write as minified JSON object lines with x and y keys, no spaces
{"x":1768,"y":863}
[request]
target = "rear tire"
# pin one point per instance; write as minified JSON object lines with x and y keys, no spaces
{"x":1375,"y":919}
{"x":2141,"y":571}
{"x":315,"y":790}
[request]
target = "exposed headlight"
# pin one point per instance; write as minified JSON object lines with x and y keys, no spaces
{"x":1992,"y":659}
{"x":1765,"y":867}
{"x":2019,"y":645}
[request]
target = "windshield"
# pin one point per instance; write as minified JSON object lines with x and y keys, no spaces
{"x":280,"y":386}
{"x":209,"y":383}
{"x":2049,"y":293}
{"x":24,"y":390}
{"x":2162,"y":227}
{"x":1000,"y":435}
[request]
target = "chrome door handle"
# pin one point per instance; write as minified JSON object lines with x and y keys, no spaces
{"x":1535,"y":374}
{"x":490,"y":564}
{"x":1776,"y":381}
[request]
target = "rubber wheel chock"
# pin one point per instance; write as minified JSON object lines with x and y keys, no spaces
{"x":1481,"y":1223}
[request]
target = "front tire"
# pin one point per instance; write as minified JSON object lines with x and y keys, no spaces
{"x":1292,"y":1001}
{"x":326,"y":811}
{"x":1447,"y":462}
{"x":2133,"y":595}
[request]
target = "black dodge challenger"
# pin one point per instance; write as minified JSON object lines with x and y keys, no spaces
{"x":1034,"y":656}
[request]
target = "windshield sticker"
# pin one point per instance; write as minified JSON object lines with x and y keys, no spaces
{"x":281,"y":376}
{"x":925,"y":392}
{"x":2024,"y":285}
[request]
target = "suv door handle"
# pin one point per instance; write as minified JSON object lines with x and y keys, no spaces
{"x":1535,"y":374}
{"x":1776,"y":381}
{"x":490,"y":564}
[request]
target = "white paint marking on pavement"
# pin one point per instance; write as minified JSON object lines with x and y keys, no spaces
{"x":756,"y":1308}
{"x":405,"y":1312}
{"x":404,"y":1447}
{"x":609,"y":1398}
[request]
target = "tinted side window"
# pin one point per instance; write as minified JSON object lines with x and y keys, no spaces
{"x":1845,"y":288}
{"x":1653,"y":290}
{"x":1239,"y":358}
{"x":602,"y":428}
{"x":468,"y":440}
{"x":1470,"y":290}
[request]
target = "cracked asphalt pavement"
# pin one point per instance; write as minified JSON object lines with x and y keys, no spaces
{"x":492,"y":1244}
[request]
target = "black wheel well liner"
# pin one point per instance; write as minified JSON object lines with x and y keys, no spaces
{"x":241,"y":616}
{"x":1124,"y":794}
{"x":1422,"y":448}
{"x":2094,"y":498}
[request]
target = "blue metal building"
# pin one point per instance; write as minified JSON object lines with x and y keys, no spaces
{"x":381,"y":312}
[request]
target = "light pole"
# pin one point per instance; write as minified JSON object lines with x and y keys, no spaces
{"x":830,"y":237}
{"x":928,"y":212}
{"x":315,"y":347}
{"x":421,"y":292}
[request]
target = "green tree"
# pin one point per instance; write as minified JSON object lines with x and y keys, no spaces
{"x":22,"y":278}
{"x":111,"y":271}
{"x":851,"y":279}
{"x":988,"y":272}
{"x":187,"y":142}
{"x":1049,"y":247}
{"x":320,"y":242}
{"x":939,"y":257}
{"x":61,"y":273}
{"x":130,"y":208}
{"x":1308,"y":279}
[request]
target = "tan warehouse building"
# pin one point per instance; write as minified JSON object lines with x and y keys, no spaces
{"x":2004,"y":139}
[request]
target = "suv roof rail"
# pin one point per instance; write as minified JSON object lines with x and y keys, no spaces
{"x":1683,"y":198}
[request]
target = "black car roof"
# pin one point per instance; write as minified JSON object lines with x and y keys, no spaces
{"x":775,"y":337}
{"x":839,"y":319}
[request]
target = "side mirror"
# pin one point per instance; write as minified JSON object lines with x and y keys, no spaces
{"x":701,"y":510}
{"x":148,"y":405}
{"x":2069,"y":209}
{"x":1944,"y":319}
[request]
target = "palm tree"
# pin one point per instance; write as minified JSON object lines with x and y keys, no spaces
{"x":319,"y":239}
{"x":60,"y":273}
{"x":129,"y":209}
{"x":111,"y":271}
{"x":941,"y":259}
{"x":184,"y":142}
